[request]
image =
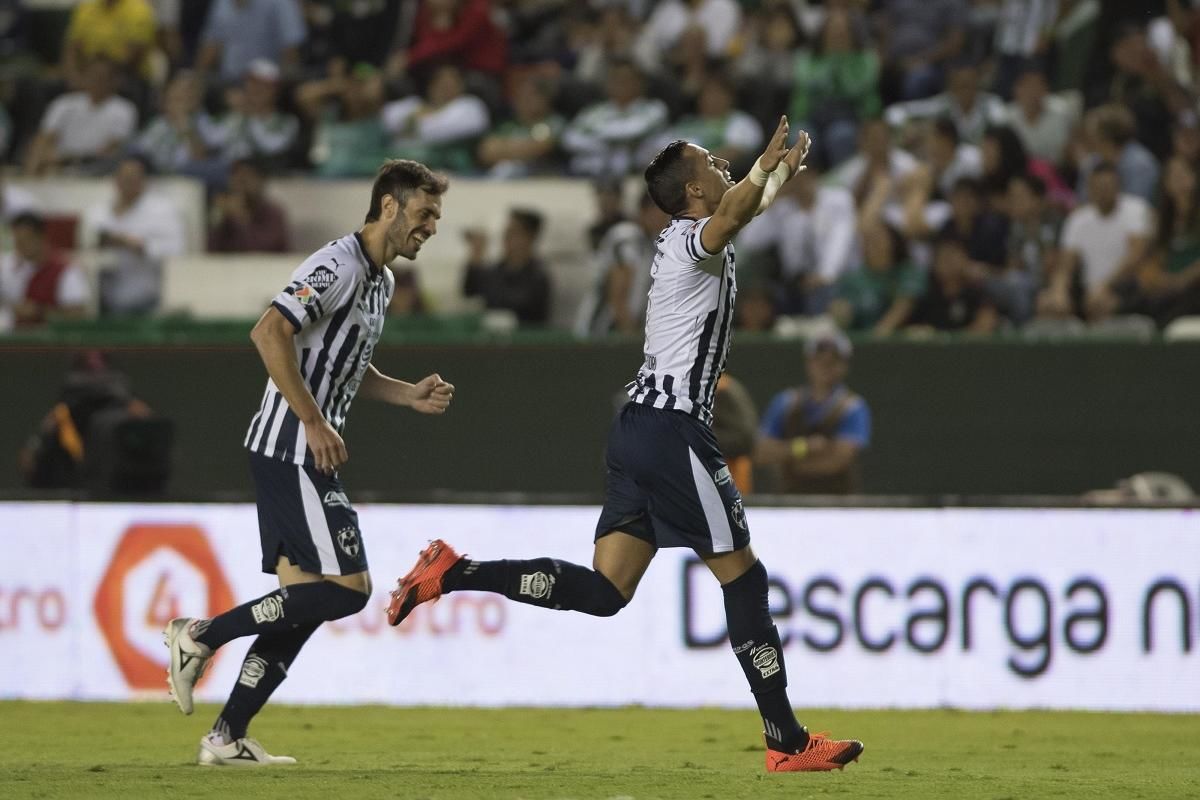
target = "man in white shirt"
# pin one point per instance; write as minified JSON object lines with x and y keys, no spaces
{"x":138,"y":229}
{"x":811,"y":231}
{"x":86,"y":128}
{"x":441,"y":129}
{"x":603,"y":138}
{"x":1102,"y":244}
{"x":720,"y":21}
{"x":972,"y":110}
{"x":35,"y":280}
{"x":1043,"y":121}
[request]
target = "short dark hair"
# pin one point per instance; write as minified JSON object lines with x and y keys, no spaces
{"x":968,"y":184}
{"x":1031,"y":181}
{"x":667,"y":177}
{"x":1105,"y":167}
{"x":399,"y":178}
{"x":529,"y":219}
{"x":28,"y":219}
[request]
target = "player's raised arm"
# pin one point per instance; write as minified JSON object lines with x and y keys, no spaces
{"x":273,"y":335}
{"x":749,"y":196}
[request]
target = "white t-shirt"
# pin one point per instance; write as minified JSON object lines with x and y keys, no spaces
{"x":1101,"y":242}
{"x":84,"y":129}
{"x":154,"y":219}
{"x":462,"y":118}
{"x":16,"y":272}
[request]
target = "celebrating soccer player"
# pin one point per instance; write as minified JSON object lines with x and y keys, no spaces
{"x":316,"y":341}
{"x":668,"y":484}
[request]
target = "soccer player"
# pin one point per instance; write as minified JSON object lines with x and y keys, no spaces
{"x":668,"y":484}
{"x":316,"y":341}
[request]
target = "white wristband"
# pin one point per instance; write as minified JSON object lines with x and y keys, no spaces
{"x":758,"y":176}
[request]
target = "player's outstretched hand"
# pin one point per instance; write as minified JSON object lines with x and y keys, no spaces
{"x":432,"y":395}
{"x":328,"y":449}
{"x":776,"y":148}
{"x":795,"y":157}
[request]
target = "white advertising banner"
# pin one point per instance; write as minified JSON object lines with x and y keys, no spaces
{"x":971,"y":608}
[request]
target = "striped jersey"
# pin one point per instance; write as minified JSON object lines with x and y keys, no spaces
{"x":337,"y":301}
{"x":689,"y":314}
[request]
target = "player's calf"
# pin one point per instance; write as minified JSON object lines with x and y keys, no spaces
{"x":545,"y":582}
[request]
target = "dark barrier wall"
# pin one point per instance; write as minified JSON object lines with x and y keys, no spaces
{"x":960,"y":418}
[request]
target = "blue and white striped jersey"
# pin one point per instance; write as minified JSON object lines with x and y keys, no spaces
{"x":337,"y":301}
{"x":688,"y":320}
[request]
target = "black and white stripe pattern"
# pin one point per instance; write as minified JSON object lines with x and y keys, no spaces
{"x":337,"y":329}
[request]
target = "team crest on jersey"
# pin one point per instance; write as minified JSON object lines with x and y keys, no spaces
{"x":321,"y":278}
{"x":347,"y":539}
{"x":738,"y":512}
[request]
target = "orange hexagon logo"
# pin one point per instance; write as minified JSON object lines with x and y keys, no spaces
{"x":157,"y":573}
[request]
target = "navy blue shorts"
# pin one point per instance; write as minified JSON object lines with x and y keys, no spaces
{"x":669,"y":484}
{"x":305,"y":515}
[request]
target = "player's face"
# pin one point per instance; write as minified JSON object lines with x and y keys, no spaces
{"x":415,"y":223}
{"x":713,"y":175}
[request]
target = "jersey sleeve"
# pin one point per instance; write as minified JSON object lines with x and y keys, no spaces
{"x":319,"y":287}
{"x":684,"y":244}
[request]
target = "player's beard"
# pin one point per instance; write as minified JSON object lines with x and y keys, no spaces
{"x":400,"y":238}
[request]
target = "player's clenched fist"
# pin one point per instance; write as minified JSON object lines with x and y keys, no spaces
{"x":432,"y":395}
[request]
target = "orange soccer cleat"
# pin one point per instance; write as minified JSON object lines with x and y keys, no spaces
{"x":821,"y":754}
{"x":423,"y":583}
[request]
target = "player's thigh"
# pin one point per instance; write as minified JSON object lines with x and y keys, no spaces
{"x":290,"y":574}
{"x":623,"y":559}
{"x":728,"y":567}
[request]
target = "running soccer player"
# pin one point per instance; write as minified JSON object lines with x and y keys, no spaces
{"x":316,"y":340}
{"x":668,"y":484}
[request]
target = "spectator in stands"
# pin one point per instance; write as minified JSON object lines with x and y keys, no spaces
{"x":953,"y":301}
{"x":836,"y":85}
{"x":1023,"y":33}
{"x":350,"y":32}
{"x":766,"y":68}
{"x":971,"y":110}
{"x":85,"y":129}
{"x":604,"y":137}
{"x":1102,"y":243}
{"x":36,"y":281}
{"x":1185,"y":137}
{"x":441,"y":129}
{"x":814,"y":435}
{"x":1166,"y":285}
{"x":407,"y":300}
{"x":14,"y":200}
{"x":1032,"y":249}
{"x":809,"y":233}
{"x":518,"y":282}
{"x":876,"y":157}
{"x":168,"y":31}
{"x":1109,"y":132}
{"x":616,"y":303}
{"x":1074,"y":39}
{"x":1043,"y":121}
{"x":459,"y":32}
{"x":349,"y":139}
{"x":735,"y":426}
{"x":178,"y":140}
{"x":878,"y":296}
{"x":671,"y":23}
{"x":244,"y":218}
{"x":755,"y":308}
{"x":948,"y":157}
{"x":138,"y":228}
{"x":254,"y":127}
{"x":237,"y":32}
{"x":118,"y":31}
{"x":595,"y":41}
{"x":982,"y":231}
{"x":918,"y":38}
{"x":717,"y":126}
{"x":1145,"y":88}
{"x":526,"y":144}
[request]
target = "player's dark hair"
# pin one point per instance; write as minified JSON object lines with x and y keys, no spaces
{"x":399,"y":178}
{"x":529,"y":219}
{"x":28,"y":219}
{"x":667,"y":177}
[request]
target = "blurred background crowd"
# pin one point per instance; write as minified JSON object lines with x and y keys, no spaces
{"x":979,"y":165}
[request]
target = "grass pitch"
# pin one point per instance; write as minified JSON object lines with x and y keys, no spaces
{"x":143,"y":751}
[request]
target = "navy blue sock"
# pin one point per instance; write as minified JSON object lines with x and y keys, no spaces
{"x":264,"y":668}
{"x":544,"y":582}
{"x":284,"y":609}
{"x":755,"y":642}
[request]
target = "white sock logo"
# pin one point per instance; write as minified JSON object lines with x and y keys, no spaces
{"x":253,"y":669}
{"x":537,"y":585}
{"x":268,"y":610}
{"x":766,"y":658}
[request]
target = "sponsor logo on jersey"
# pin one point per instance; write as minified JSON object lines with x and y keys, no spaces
{"x":321,"y":278}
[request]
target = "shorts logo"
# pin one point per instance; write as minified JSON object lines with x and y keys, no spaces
{"x":738,"y":513}
{"x":766,"y":659}
{"x":269,"y":610}
{"x":253,"y":670}
{"x":537,"y":585}
{"x":347,"y":539}
{"x":335,"y":499}
{"x":722,"y":476}
{"x":321,"y":279}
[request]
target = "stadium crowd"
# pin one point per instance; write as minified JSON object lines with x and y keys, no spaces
{"x":979,"y":164}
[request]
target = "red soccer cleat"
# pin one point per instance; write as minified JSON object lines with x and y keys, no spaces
{"x":423,"y":583}
{"x":821,"y":754}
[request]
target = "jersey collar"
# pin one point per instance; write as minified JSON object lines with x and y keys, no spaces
{"x":372,"y":267}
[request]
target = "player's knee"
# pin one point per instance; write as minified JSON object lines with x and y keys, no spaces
{"x":609,"y":599}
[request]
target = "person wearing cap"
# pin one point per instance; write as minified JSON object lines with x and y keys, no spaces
{"x":814,"y":435}
{"x":36,"y":280}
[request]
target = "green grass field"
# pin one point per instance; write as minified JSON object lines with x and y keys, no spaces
{"x":144,"y":751}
